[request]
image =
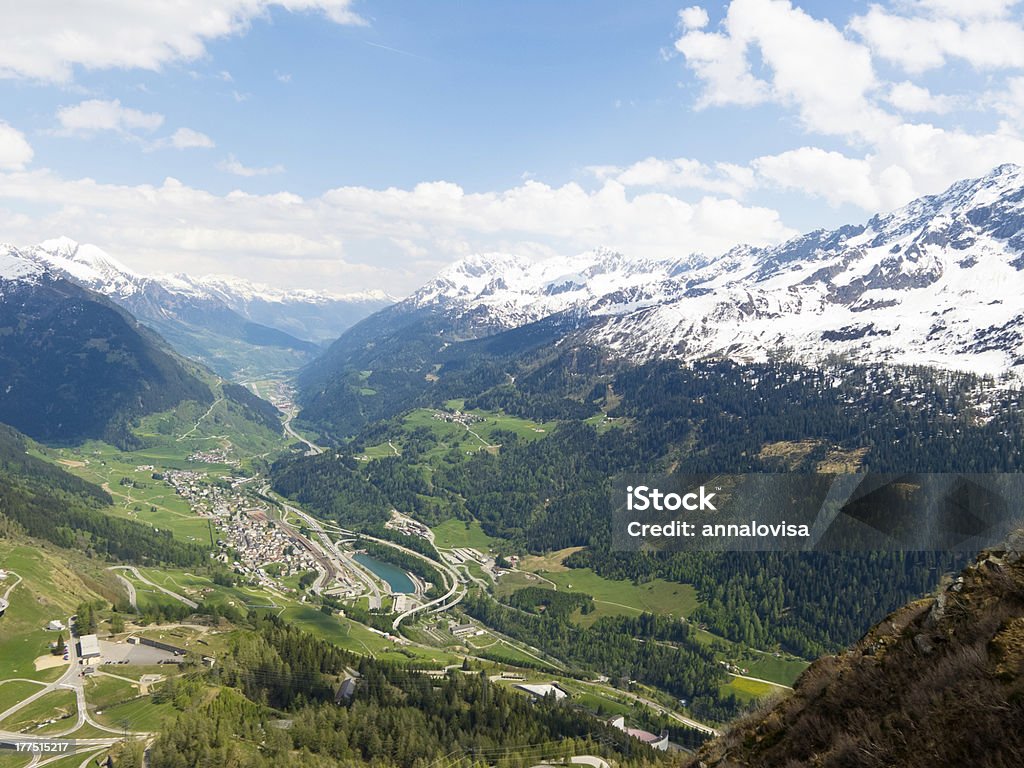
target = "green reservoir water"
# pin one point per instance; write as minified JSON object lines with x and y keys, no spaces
{"x":398,"y":579}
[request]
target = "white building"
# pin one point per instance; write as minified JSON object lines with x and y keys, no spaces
{"x":88,"y":648}
{"x":55,"y":626}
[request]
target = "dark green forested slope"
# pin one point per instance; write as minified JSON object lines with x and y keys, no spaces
{"x":74,"y":366}
{"x":276,"y":673}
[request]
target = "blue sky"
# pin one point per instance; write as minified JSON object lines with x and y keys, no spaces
{"x":355,"y":145}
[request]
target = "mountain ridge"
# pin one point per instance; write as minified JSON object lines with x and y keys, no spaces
{"x":930,"y":283}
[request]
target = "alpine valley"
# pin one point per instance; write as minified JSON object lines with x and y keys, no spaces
{"x":394,"y":549}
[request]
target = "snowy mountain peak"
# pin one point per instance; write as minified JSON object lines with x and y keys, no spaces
{"x":87,"y":265}
{"x":16,"y":267}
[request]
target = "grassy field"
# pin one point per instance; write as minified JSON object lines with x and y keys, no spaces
{"x":145,"y":499}
{"x":783,"y":670}
{"x":457,"y":533}
{"x":748,"y":690}
{"x":139,"y":714}
{"x":51,"y":589}
{"x":480,"y":435}
{"x":55,"y":704}
{"x":612,"y":598}
{"x":13,"y":691}
{"x":14,"y":760}
{"x":102,"y":691}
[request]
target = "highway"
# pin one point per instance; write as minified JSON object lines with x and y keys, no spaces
{"x":688,"y":721}
{"x":313,"y":449}
{"x":434,"y":606}
{"x":133,"y":597}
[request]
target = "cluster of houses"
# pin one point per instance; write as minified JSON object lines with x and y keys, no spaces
{"x":457,"y":417}
{"x":257,"y":542}
{"x":218,"y":455}
{"x":205,"y":498}
{"x":247,"y":540}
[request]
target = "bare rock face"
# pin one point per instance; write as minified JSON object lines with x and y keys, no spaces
{"x":939,"y":682}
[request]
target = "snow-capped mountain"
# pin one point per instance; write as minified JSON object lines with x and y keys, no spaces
{"x":234,"y":326}
{"x":938,"y":282}
{"x":89,"y":266}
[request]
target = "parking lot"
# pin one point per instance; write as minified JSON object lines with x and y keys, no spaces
{"x":126,"y":653}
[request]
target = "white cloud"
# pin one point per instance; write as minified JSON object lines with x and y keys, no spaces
{"x":232,"y":165}
{"x":693,"y":17}
{"x":923,"y":37}
{"x":830,"y":175}
{"x":769,"y":50}
{"x":15,"y":151}
{"x":356,"y":237}
{"x":721,"y":62}
{"x":186,"y":138}
{"x":808,"y":62}
{"x":46,"y":39}
{"x":908,"y":97}
{"x":94,"y":115}
{"x":680,"y":173}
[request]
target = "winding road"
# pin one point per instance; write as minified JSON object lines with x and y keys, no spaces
{"x":5,"y":600}
{"x":135,"y":572}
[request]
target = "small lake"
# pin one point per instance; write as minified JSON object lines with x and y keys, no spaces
{"x":396,"y":578}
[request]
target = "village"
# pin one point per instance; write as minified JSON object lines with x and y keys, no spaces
{"x":248,"y":540}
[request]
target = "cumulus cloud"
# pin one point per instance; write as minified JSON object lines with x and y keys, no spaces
{"x":15,"y":151}
{"x":186,"y":138}
{"x":772,"y":51}
{"x":909,"y":97}
{"x":923,"y":36}
{"x":357,"y":237}
{"x":809,"y":64}
{"x":46,"y":39}
{"x":95,"y":115}
{"x":232,"y":165}
{"x":693,"y":17}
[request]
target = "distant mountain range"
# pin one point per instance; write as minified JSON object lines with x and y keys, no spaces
{"x":937,"y":282}
{"x":235,"y":327}
{"x":73,"y":365}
